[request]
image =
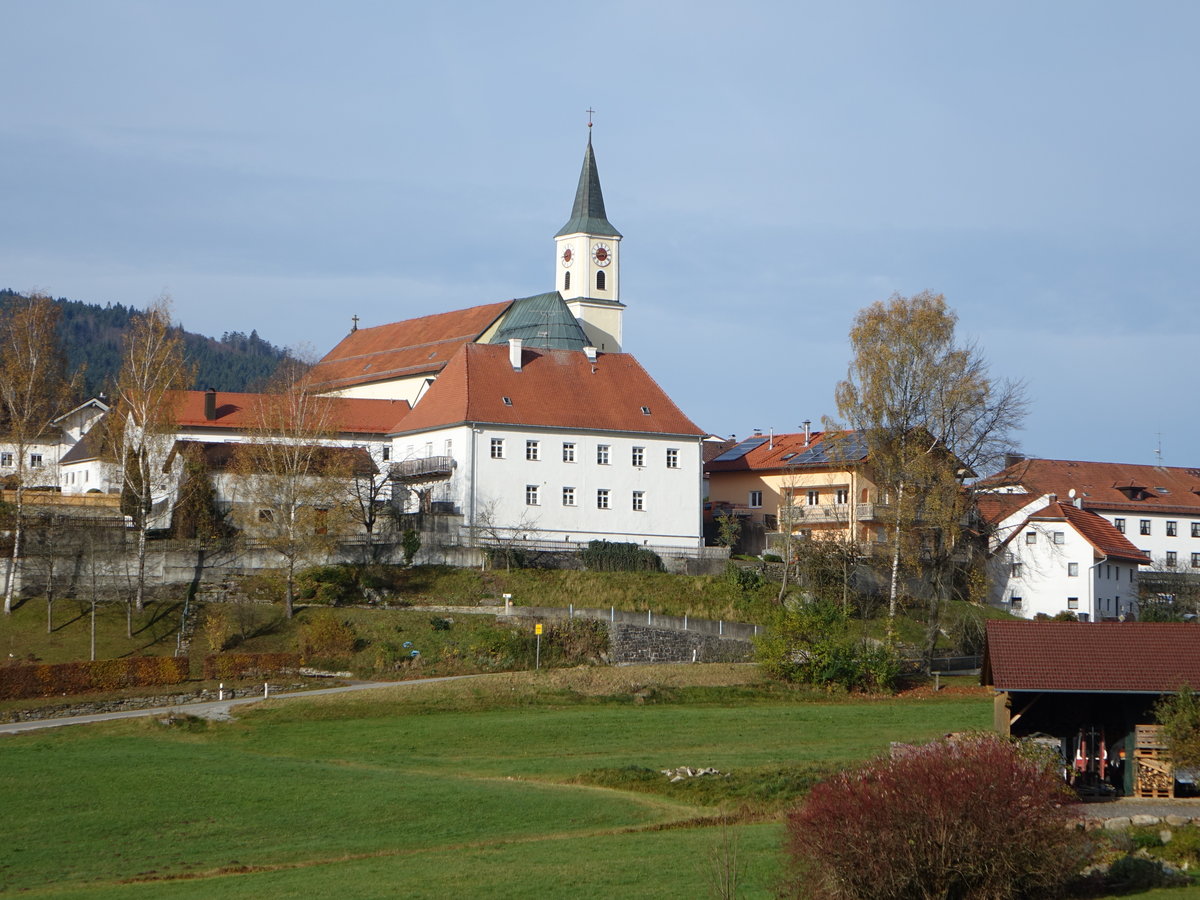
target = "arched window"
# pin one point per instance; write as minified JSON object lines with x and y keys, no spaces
{"x":600,"y":281}
{"x":567,"y":281}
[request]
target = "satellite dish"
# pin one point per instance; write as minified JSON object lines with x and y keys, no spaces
{"x":1071,"y":493}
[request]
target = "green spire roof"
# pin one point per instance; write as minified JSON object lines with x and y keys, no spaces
{"x":544,"y":322}
{"x":587,"y":216}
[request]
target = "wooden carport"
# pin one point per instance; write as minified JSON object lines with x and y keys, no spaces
{"x":1090,"y":686}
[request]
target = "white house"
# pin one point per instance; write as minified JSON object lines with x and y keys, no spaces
{"x":1051,"y":557}
{"x":1156,"y":507}
{"x":43,"y":457}
{"x":555,"y":445}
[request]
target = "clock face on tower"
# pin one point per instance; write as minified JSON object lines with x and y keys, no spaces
{"x":567,"y":257}
{"x":601,"y":254}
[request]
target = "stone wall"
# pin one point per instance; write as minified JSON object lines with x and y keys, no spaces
{"x":641,"y":644}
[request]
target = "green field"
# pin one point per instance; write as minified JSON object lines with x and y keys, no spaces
{"x":481,"y":788}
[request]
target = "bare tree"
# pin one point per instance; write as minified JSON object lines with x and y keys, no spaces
{"x":32,"y":389}
{"x":932,"y":416}
{"x":154,"y":374}
{"x":292,"y":482}
{"x":368,"y":486}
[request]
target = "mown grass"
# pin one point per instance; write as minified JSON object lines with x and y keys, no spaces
{"x":464,"y":789}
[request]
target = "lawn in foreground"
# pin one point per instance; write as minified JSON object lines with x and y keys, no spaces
{"x":388,"y":795}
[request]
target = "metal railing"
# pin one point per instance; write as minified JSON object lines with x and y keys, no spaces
{"x":425,"y":467}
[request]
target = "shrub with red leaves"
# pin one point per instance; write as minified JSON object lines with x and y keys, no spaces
{"x":977,"y":818}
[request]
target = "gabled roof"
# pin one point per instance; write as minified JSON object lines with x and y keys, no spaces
{"x":218,"y":456}
{"x":239,"y":411}
{"x":587,"y":215}
{"x":1095,"y":529}
{"x":403,"y":349}
{"x":553,"y":389}
{"x":792,"y":452}
{"x":86,"y":448}
{"x":1119,"y":487}
{"x":1078,"y":657}
{"x":95,"y":403}
{"x":543,"y":322}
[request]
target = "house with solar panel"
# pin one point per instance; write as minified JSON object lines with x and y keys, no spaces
{"x":529,"y":424}
{"x":812,"y":483}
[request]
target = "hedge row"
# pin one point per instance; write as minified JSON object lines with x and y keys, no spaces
{"x":18,"y":682}
{"x":249,"y":665}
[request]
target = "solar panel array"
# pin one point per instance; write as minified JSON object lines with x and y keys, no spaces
{"x":741,"y":449}
{"x":842,"y":449}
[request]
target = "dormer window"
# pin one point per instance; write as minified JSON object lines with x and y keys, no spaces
{"x":507,"y":401}
{"x":645,"y":410}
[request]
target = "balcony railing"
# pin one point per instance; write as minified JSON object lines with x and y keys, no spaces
{"x":426,"y":468}
{"x":827,"y":513}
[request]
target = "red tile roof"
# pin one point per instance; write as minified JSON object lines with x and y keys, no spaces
{"x":403,"y":349}
{"x":1126,"y":657}
{"x":1108,"y":486}
{"x":238,"y":411}
{"x":555,"y":389}
{"x":1095,"y":529}
{"x":770,"y":454}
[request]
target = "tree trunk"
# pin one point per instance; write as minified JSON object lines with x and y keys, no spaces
{"x":18,"y":539}
{"x":895,"y":580}
{"x":289,"y":591}
{"x":140,"y":598}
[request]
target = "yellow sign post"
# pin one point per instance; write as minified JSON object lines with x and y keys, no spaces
{"x":537,"y":629}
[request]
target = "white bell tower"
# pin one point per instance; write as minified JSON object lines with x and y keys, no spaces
{"x":588,"y":262}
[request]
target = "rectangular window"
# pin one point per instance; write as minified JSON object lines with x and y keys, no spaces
{"x":1144,"y":526}
{"x":448,"y":449}
{"x":842,"y":497}
{"x":568,"y":496}
{"x":1072,"y":603}
{"x":1073,"y":570}
{"x":602,"y":498}
{"x":814,"y":498}
{"x":755,"y":499}
{"x":602,"y":454}
{"x":1172,"y":529}
{"x":1059,"y":537}
{"x":639,"y":456}
{"x":497,"y":448}
{"x":568,"y":451}
{"x":533,"y":451}
{"x":531,"y":495}
{"x":672,"y":458}
{"x":1031,"y":537}
{"x":1196,"y":560}
{"x":5,"y":459}
{"x":387,"y":453}
{"x":1015,"y":601}
{"x":1196,"y":529}
{"x":1119,"y":524}
{"x":35,"y":460}
{"x":1172,"y":559}
{"x":1016,"y":570}
{"x":639,"y":501}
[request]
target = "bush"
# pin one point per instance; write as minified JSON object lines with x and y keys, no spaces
{"x":331,"y":585}
{"x":979,"y":817}
{"x":325,"y":636}
{"x":611,"y":556}
{"x":742,"y":578}
{"x":17,"y":682}
{"x":228,"y":666}
{"x":812,"y":643}
{"x":1179,"y":715}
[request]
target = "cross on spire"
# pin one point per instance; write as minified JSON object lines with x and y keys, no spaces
{"x":590,"y":111}
{"x":355,"y":320}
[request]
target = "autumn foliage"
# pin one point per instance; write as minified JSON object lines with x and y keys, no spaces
{"x":248,"y":665}
{"x":979,"y":818}
{"x":17,"y":682}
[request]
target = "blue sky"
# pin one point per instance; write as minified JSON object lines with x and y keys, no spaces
{"x":774,"y":168}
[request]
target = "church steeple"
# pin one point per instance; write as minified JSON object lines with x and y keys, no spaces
{"x":587,"y":215}
{"x":588,"y":263}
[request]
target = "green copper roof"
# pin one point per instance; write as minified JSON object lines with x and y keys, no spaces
{"x":587,"y":216}
{"x":543,"y":322}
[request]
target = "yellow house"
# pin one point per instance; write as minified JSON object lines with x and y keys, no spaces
{"x":817,"y":484}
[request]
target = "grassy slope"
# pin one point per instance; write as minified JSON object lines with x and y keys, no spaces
{"x":431,"y":791}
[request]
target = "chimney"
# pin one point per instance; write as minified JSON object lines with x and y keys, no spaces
{"x":771,"y":433}
{"x":210,"y":404}
{"x":514,"y":353}
{"x":807,"y":433}
{"x":590,"y":353}
{"x":1011,"y":459}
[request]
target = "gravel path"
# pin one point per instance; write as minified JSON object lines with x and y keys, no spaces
{"x":213,"y":709}
{"x":1135,"y":807}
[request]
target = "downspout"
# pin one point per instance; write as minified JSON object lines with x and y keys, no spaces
{"x":1092,"y":588}
{"x":474,"y":467}
{"x":700,"y":496}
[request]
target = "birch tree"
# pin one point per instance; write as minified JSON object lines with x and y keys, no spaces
{"x":154,"y":374}
{"x":293,"y":485}
{"x":33,"y":388}
{"x":932,"y":416}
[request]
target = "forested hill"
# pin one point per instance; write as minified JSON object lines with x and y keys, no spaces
{"x":92,"y":334}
